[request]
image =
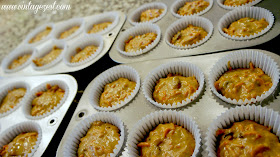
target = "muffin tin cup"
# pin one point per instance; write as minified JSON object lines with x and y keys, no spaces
{"x":252,"y":12}
{"x":82,"y":42}
{"x":9,"y":87}
{"x":183,"y":68}
{"x":241,"y":59}
{"x":142,"y":128}
{"x":261,"y":115}
{"x":20,"y":51}
{"x":66,"y":25}
{"x":182,"y":24}
{"x":47,"y":49}
{"x":8,"y":135}
{"x":135,"y":31}
{"x":71,"y":145}
{"x":38,"y":30}
{"x":221,"y":4}
{"x":134,"y":19}
{"x":109,"y":76}
{"x":105,"y":17}
{"x":180,"y":3}
{"x":28,"y":101}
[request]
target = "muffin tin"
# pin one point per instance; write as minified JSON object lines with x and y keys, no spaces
{"x":61,"y":66}
{"x":217,"y":41}
{"x":203,"y":110}
{"x":47,"y":124}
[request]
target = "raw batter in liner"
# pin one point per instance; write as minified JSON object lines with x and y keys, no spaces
{"x":12,"y":99}
{"x":150,"y":14}
{"x":83,"y":54}
{"x":139,"y":42}
{"x":41,"y":35}
{"x":99,"y":27}
{"x":48,"y":58}
{"x":68,"y":32}
{"x":236,"y":2}
{"x":193,"y":7}
{"x":19,"y":61}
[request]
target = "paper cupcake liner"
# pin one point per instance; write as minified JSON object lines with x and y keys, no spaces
{"x":20,"y":51}
{"x":241,"y":59}
{"x":134,"y":18}
{"x":9,"y":87}
{"x":183,"y":68}
{"x":142,"y":128}
{"x":28,"y":101}
{"x":8,"y":135}
{"x":82,"y":42}
{"x":252,"y":12}
{"x":221,"y":4}
{"x":138,"y":30}
{"x":261,"y":115}
{"x":47,"y":49}
{"x":182,"y":24}
{"x":101,"y":18}
{"x":108,"y":76}
{"x":64,"y":26}
{"x":180,"y":3}
{"x":71,"y":145}
{"x":38,"y":30}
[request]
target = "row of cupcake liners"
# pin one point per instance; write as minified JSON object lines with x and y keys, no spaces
{"x":215,"y":18}
{"x":12,"y":123}
{"x":202,"y":111}
{"x":80,"y":38}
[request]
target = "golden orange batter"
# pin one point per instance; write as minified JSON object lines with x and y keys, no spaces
{"x":99,"y":27}
{"x":19,"y":61}
{"x":99,"y":141}
{"x":193,"y":7}
{"x":48,"y":58}
{"x":150,"y":14}
{"x":68,"y":32}
{"x":168,"y":140}
{"x":46,"y":100}
{"x":116,"y":92}
{"x":12,"y":99}
{"x":41,"y":35}
{"x":139,"y":42}
{"x":20,"y":146}
{"x":188,"y":36}
{"x":236,"y":2}
{"x":83,"y":54}
{"x":246,"y":27}
{"x":247,"y":139}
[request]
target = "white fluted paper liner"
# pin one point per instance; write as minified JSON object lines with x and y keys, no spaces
{"x":134,"y":18}
{"x":182,"y":24}
{"x":108,"y":76}
{"x":47,"y":49}
{"x":138,"y":30}
{"x":185,"y":69}
{"x":4,"y":91}
{"x":37,"y":31}
{"x":66,"y":25}
{"x":8,"y":135}
{"x":101,"y":18}
{"x":241,"y":59}
{"x":142,"y":128}
{"x":82,"y":42}
{"x":42,"y":87}
{"x":180,"y":3}
{"x":20,"y":51}
{"x":252,"y":12}
{"x":261,"y":115}
{"x":221,"y":4}
{"x":70,"y":148}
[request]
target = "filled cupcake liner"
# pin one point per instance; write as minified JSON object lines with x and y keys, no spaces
{"x":71,"y":145}
{"x":108,"y":76}
{"x":20,"y":51}
{"x":252,"y":12}
{"x":47,"y":49}
{"x":64,"y":26}
{"x":134,"y":18}
{"x":241,"y":59}
{"x":82,"y":42}
{"x":9,"y":87}
{"x":135,"y":31}
{"x":8,"y":135}
{"x":221,"y":4}
{"x":185,"y":69}
{"x":38,"y":30}
{"x":142,"y":128}
{"x":28,"y":101}
{"x":105,"y":17}
{"x":180,"y":3}
{"x":182,"y":24}
{"x":261,"y":115}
